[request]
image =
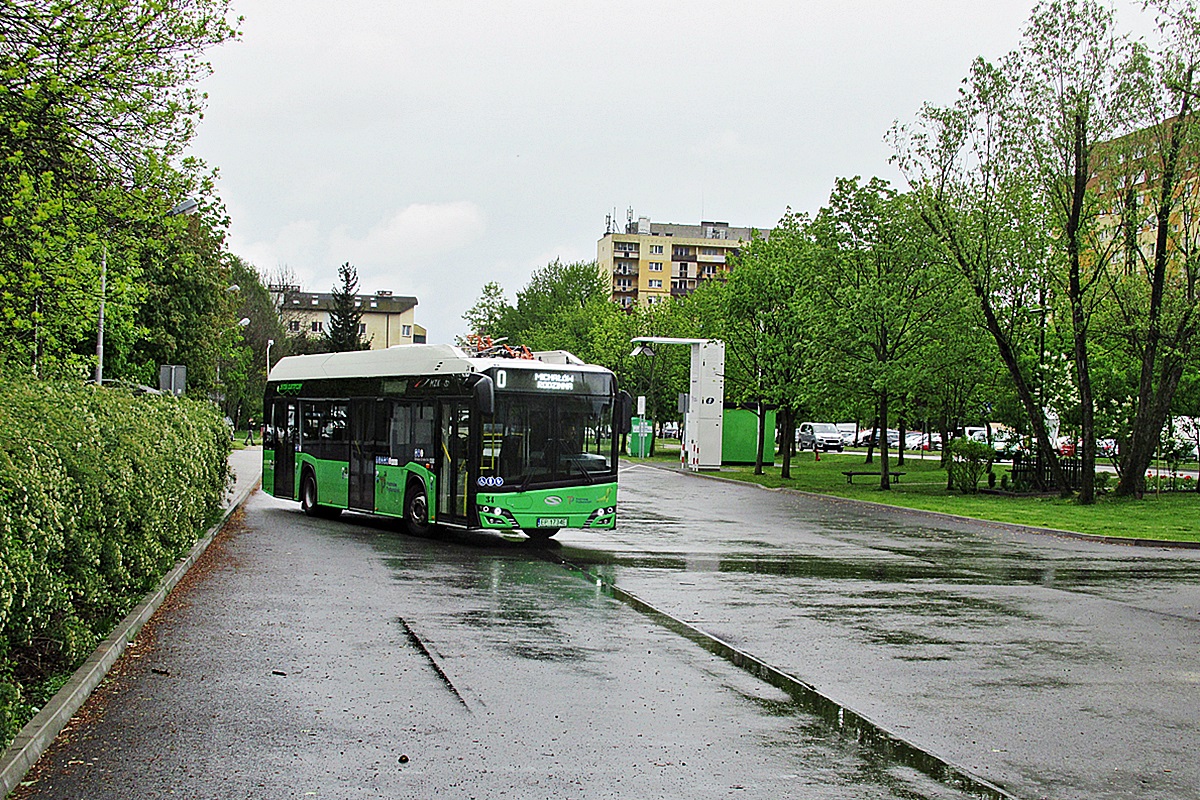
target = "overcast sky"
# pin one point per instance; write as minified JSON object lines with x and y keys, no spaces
{"x":439,"y":145}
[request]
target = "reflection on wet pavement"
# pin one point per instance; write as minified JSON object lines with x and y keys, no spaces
{"x":518,"y":603}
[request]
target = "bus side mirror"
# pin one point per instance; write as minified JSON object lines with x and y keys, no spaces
{"x":624,"y":412}
{"x":485,"y":396}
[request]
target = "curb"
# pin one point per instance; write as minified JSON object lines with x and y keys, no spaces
{"x":1012,"y":527}
{"x":40,"y":732}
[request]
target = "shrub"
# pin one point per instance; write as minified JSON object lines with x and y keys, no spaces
{"x":101,"y":492}
{"x":969,"y":460}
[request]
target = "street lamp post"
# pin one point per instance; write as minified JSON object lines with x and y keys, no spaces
{"x":187,"y":206}
{"x":100,"y":324}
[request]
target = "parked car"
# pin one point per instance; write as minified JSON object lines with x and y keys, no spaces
{"x":849,"y":431}
{"x":868,"y":437}
{"x":913,"y":440}
{"x":820,"y":436}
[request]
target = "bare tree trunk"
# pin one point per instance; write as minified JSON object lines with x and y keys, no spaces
{"x":787,"y":441}
{"x":1079,"y":320}
{"x":884,"y":480}
{"x":761,"y":413}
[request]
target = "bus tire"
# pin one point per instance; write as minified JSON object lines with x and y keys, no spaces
{"x":416,"y":509}
{"x":308,"y":499}
{"x":308,"y":494}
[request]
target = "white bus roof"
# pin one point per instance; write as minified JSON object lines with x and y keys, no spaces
{"x":413,"y":359}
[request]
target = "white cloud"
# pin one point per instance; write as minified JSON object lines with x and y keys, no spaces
{"x":412,"y":234}
{"x":291,"y":247}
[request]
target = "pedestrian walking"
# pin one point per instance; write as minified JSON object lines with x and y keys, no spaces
{"x":249,"y":432}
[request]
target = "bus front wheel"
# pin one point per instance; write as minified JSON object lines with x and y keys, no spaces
{"x":416,"y":509}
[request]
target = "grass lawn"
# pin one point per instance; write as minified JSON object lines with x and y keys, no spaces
{"x":1173,"y":516}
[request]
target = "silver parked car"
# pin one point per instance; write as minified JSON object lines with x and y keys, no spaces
{"x":820,"y":436}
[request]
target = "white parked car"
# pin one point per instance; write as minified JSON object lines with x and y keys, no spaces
{"x":849,"y":431}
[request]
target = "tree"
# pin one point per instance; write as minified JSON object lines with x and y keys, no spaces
{"x":881,"y":289}
{"x":345,"y":315}
{"x":97,"y":100}
{"x":554,"y":289}
{"x":1151,"y":175}
{"x":487,"y":316}
{"x":1011,"y":161}
{"x":91,"y":87}
{"x":1070,"y":80}
{"x":555,"y":310}
{"x":245,"y":372}
{"x":765,"y":336}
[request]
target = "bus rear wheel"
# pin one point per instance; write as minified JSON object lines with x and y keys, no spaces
{"x":308,"y":494}
{"x":308,"y":499}
{"x":416,"y":509}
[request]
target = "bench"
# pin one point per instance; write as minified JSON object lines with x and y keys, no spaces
{"x":893,"y":477}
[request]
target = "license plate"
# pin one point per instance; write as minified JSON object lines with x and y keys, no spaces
{"x":552,"y":522}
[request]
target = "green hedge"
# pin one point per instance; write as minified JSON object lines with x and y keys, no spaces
{"x":101,"y":492}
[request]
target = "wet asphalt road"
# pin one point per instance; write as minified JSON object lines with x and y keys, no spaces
{"x":316,"y":658}
{"x":304,"y":658}
{"x":1049,"y":666}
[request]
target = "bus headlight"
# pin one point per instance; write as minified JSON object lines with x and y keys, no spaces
{"x":602,"y":518}
{"x":496,"y":517}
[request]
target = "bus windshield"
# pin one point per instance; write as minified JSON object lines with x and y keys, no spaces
{"x":548,"y":439}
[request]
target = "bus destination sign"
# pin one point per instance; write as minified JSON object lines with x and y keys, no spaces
{"x":554,"y":381}
{"x":550,"y":380}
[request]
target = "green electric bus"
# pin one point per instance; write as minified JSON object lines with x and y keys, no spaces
{"x":436,"y":436}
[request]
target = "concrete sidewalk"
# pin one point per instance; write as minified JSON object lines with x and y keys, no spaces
{"x":40,"y":732}
{"x":246,"y":465}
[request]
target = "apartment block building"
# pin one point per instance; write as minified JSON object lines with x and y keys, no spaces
{"x":387,"y":319}
{"x":651,"y":261}
{"x":1126,"y":181}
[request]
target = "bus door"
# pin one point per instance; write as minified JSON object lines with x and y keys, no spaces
{"x":364,"y":445}
{"x":454,"y":470}
{"x":286,"y":424}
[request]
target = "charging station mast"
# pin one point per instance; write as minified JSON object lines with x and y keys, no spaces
{"x":706,"y":400}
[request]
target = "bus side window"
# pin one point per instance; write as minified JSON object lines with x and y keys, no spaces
{"x":313,"y":412}
{"x":272,"y":413}
{"x":334,"y":427}
{"x":423,"y":432}
{"x":400,"y":433}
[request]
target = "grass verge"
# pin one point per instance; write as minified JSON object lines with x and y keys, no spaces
{"x":1170,"y":516}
